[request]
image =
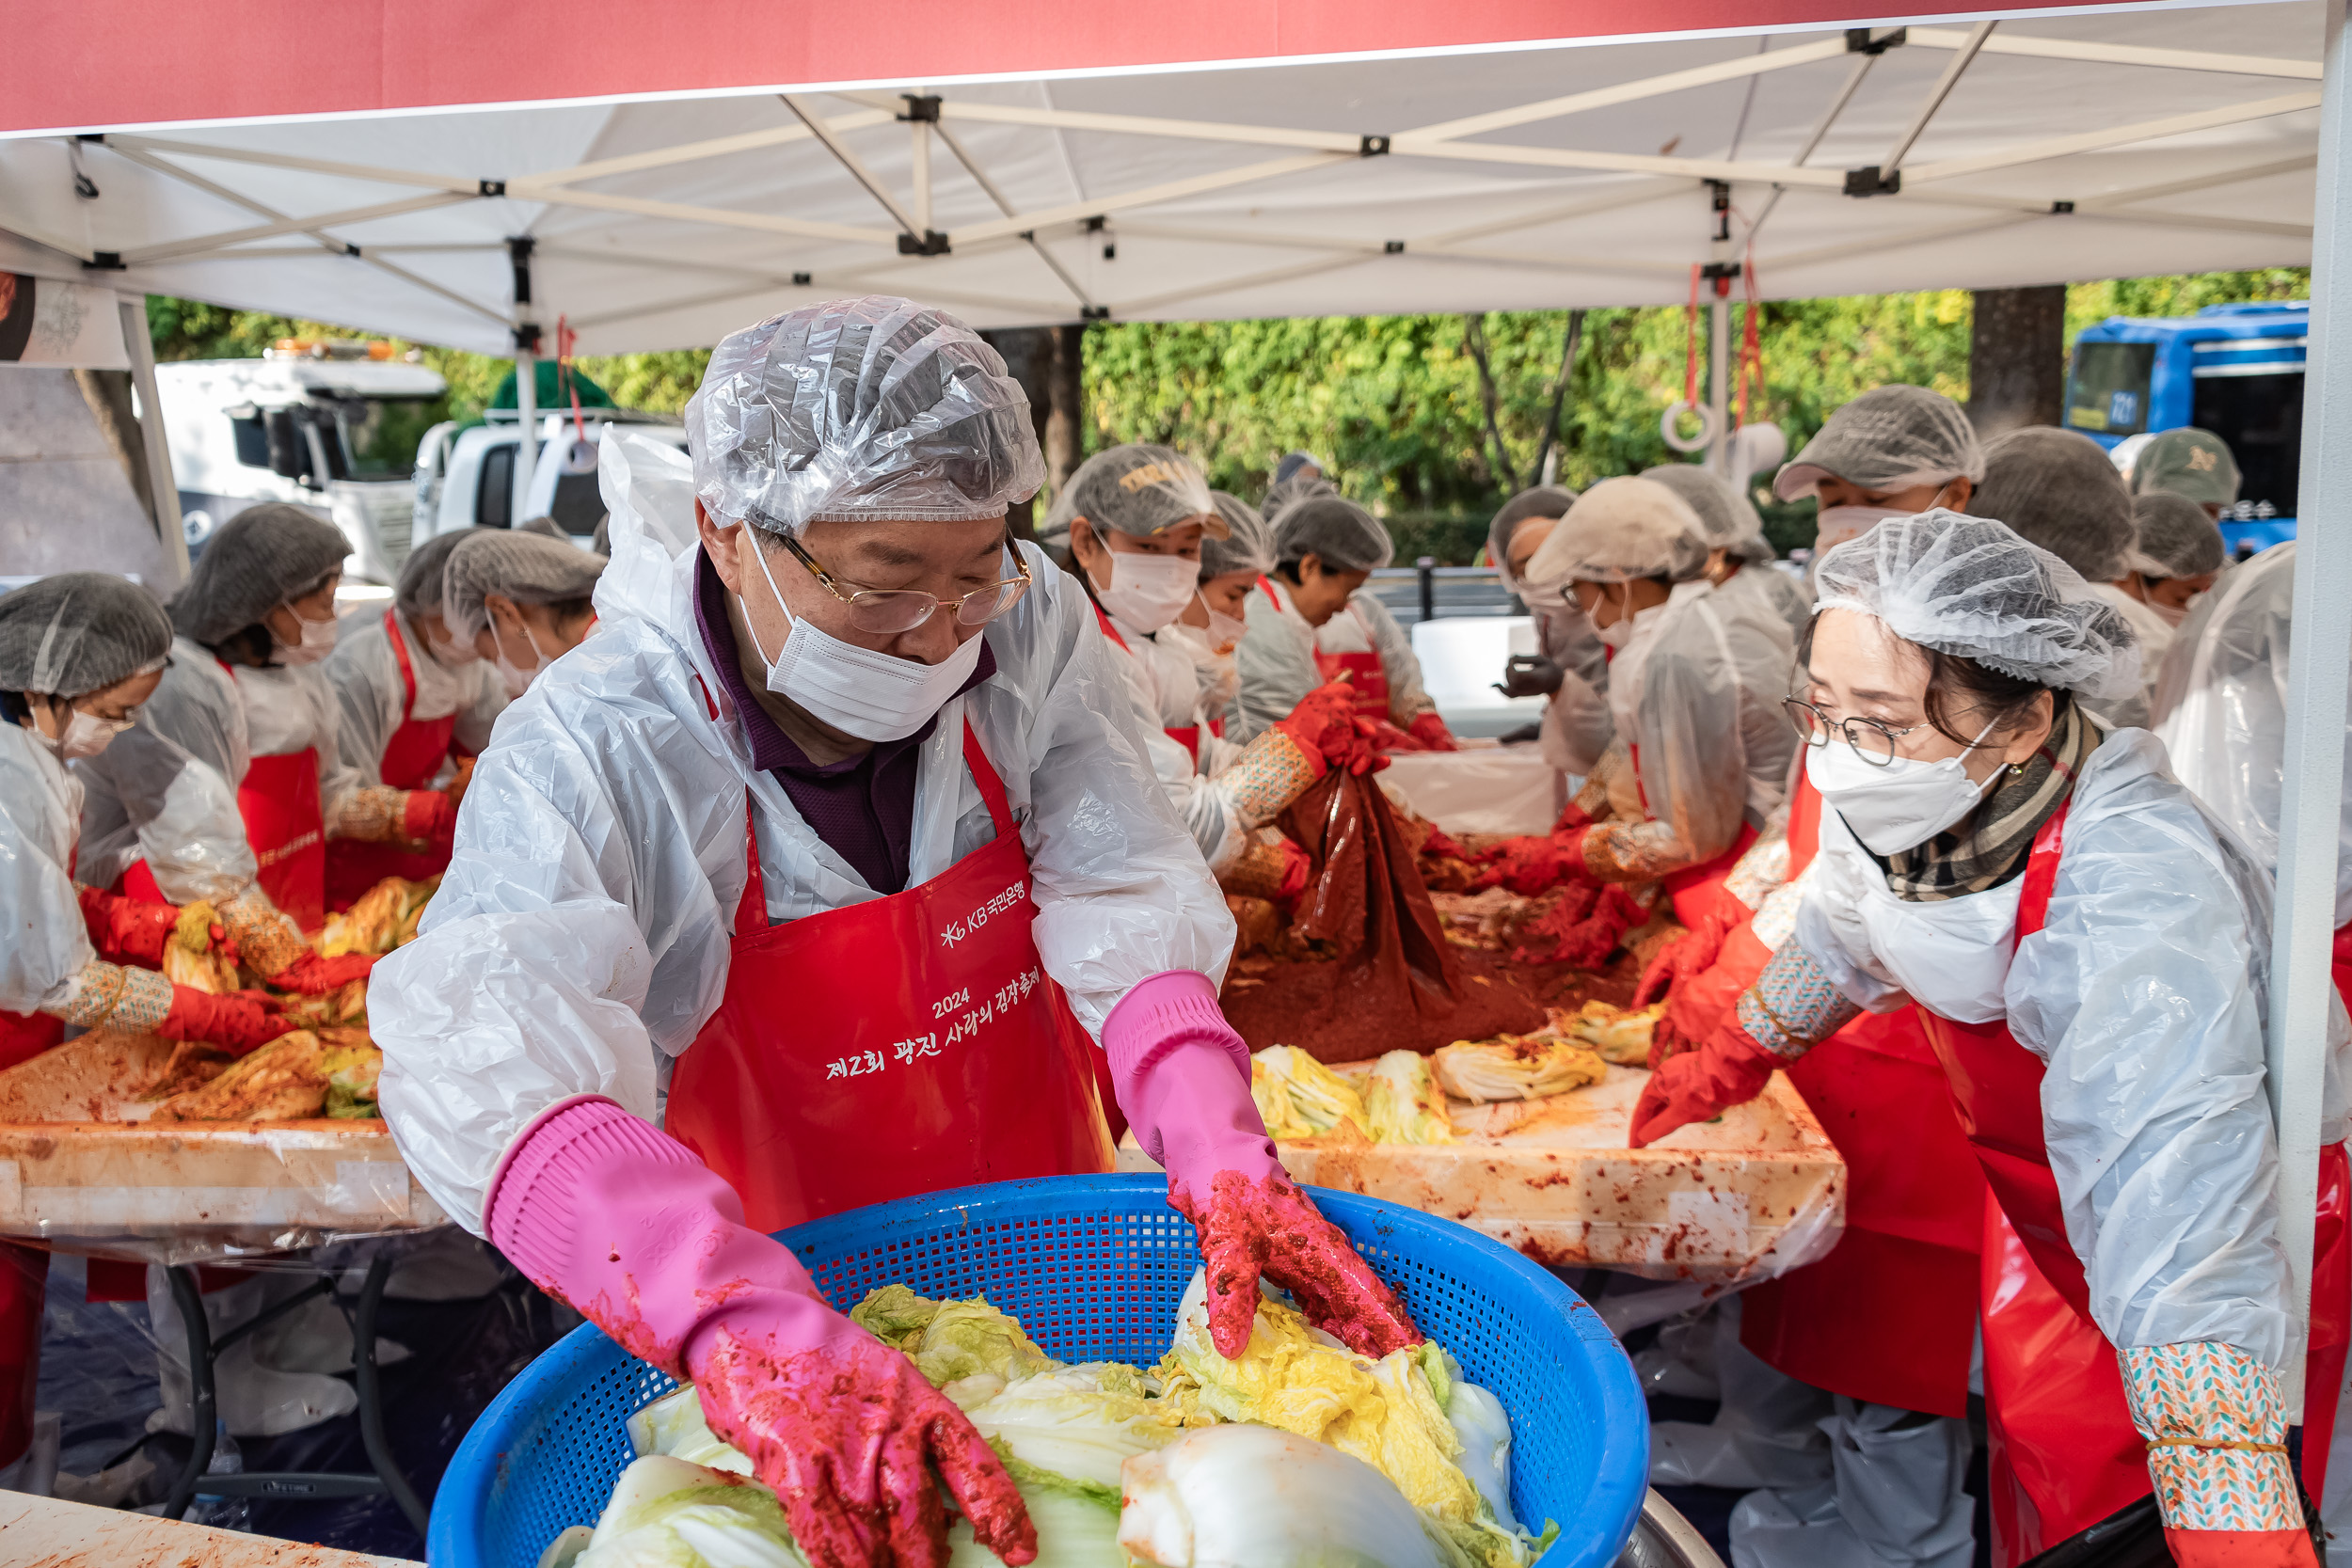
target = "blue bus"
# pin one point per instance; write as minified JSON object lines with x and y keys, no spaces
{"x":2235,"y":369}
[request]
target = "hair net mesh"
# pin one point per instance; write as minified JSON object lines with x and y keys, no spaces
{"x":1346,"y":537}
{"x":1134,"y":489}
{"x":79,"y":632}
{"x":1620,"y":529}
{"x":1287,"y":492}
{"x":1889,"y":438}
{"x":1727,"y":519}
{"x":1971,"y":587}
{"x":1542,"y":501}
{"x":2060,"y":491}
{"x":262,"y":557}
{"x":2189,"y":461}
{"x":2175,"y":537}
{"x":1248,"y":546}
{"x":858,"y":409}
{"x":418,"y":591}
{"x":528,"y":568}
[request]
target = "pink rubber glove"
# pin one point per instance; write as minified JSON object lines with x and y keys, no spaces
{"x":1182,"y":1075}
{"x":624,"y":1222}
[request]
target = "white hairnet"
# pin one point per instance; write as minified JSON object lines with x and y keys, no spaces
{"x":1285,"y":493}
{"x":859,"y":408}
{"x":1620,"y":529}
{"x":1346,"y":537}
{"x":1248,"y":545}
{"x":528,"y":568}
{"x":2175,"y":538}
{"x":1889,"y":438}
{"x":1136,"y":490}
{"x":2060,"y":491}
{"x":419,"y":589}
{"x":1971,"y":587}
{"x":262,"y":557}
{"x":1727,"y":521}
{"x":79,"y":632}
{"x":1542,"y":501}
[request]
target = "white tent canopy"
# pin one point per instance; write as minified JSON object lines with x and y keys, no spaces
{"x":2046,"y":147}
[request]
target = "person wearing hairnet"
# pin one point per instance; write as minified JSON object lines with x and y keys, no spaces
{"x":2057,"y":489}
{"x":414,"y":701}
{"x":1212,"y":624}
{"x":521,"y":601}
{"x":833,"y":852}
{"x":1737,"y":554}
{"x":2090,"y":953}
{"x":2176,"y":554}
{"x":1309,"y":626}
{"x":1894,"y":452}
{"x":2189,"y":461}
{"x":1570,"y":666}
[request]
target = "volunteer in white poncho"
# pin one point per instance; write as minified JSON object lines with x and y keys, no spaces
{"x":2090,"y":952}
{"x":1739,"y":558}
{"x":832,"y":851}
{"x":1569,"y":668}
{"x":1893,"y":451}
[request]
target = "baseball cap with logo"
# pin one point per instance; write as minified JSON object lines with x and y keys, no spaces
{"x":2189,"y":461}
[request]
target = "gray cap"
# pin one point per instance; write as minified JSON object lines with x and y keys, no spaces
{"x":2175,"y":538}
{"x":544,"y":527}
{"x":2189,"y":461}
{"x":419,"y":589}
{"x":80,"y":632}
{"x":1295,"y":461}
{"x":2058,"y":490}
{"x":1620,"y":529}
{"x":1298,"y":487}
{"x":1345,"y":537}
{"x":528,"y":568}
{"x":1136,"y":490}
{"x":1248,"y":545}
{"x":262,"y":557}
{"x":1542,"y":501}
{"x":1889,"y":438}
{"x":859,"y":408}
{"x":1727,"y":518}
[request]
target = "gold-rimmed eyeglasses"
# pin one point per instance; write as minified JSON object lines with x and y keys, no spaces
{"x":889,"y":611}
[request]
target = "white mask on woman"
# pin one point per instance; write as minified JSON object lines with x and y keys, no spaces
{"x":1898,"y":805}
{"x":859,"y":691}
{"x":86,"y":735}
{"x":318,"y":640}
{"x":1147,"y":592}
{"x":518,"y":679}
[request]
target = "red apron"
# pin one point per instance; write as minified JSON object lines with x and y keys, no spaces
{"x":279,"y":801}
{"x":1890,"y":1315}
{"x":1372,"y":677}
{"x":2064,"y":1452}
{"x":904,"y":1045}
{"x":411,"y":758}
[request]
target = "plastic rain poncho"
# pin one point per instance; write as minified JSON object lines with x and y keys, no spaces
{"x":579,"y":938}
{"x":1728,"y":522}
{"x":2222,"y":708}
{"x":1277,"y":659}
{"x":40,"y":810}
{"x":1575,"y":729}
{"x":1159,"y":672}
{"x":170,"y":801}
{"x":225,"y":717}
{"x":369,"y":693}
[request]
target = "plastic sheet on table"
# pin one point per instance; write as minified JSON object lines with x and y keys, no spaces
{"x":81,"y":1171}
{"x":1478,"y":789}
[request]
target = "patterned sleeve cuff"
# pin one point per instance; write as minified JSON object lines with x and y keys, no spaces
{"x":1271,"y":772}
{"x":370,"y":816}
{"x":130,"y":1000}
{"x":2216,"y":1421}
{"x":1792,"y":1006}
{"x":267,"y":940}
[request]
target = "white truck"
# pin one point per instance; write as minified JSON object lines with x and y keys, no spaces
{"x":464,"y":475}
{"x":330,"y":427}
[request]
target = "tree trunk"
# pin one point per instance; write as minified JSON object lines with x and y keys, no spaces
{"x":1065,"y":430}
{"x":2017,"y":358}
{"x":1028,"y":352}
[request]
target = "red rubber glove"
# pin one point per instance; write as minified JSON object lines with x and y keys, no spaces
{"x":1431,"y":731}
{"x":1729,"y":1069}
{"x":2241,"y":1548}
{"x":1539,"y":864}
{"x":1582,"y":929}
{"x":312,"y":976}
{"x":1182,"y":1075}
{"x":1296,"y":865}
{"x":127,"y":930}
{"x":1691,"y":952}
{"x":625,"y":1222}
{"x":1324,"y":722}
{"x":1385,"y":736}
{"x":1572,"y":816}
{"x":429,"y":817}
{"x":236,"y":1022}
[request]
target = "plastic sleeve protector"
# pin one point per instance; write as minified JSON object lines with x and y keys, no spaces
{"x":1793,"y":1006}
{"x":132,"y":1000}
{"x":148,"y":799}
{"x":371,"y":815}
{"x":2216,"y":1420}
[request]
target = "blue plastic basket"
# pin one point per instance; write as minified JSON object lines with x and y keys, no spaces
{"x":1094,"y":1267}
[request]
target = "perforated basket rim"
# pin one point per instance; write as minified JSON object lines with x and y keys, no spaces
{"x":1591,"y":1537}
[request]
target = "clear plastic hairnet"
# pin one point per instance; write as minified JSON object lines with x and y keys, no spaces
{"x":79,"y":632}
{"x":2175,"y":537}
{"x":2189,"y":461}
{"x":1136,"y":490}
{"x":1287,"y":493}
{"x":1620,"y":529}
{"x":260,"y":559}
{"x":1971,"y":587}
{"x":858,"y":409}
{"x":528,"y":568}
{"x":1542,"y":501}
{"x":2060,"y":491}
{"x":1248,"y":545}
{"x":1889,"y":438}
{"x":1345,"y":535}
{"x":419,"y":589}
{"x":1727,"y":521}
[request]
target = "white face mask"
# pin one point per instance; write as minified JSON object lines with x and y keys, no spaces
{"x":318,"y":640}
{"x":86,"y":735}
{"x":1837,"y":524}
{"x":1619,"y":632}
{"x":516,"y":678}
{"x":1147,"y":592}
{"x":450,"y":654}
{"x":1222,"y":635}
{"x":2173,"y":615}
{"x":874,"y":696}
{"x":1899,"y":805}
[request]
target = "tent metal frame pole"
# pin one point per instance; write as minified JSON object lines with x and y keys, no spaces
{"x":2085,"y":52}
{"x":716,"y":146}
{"x":1078,"y":211}
{"x":1934,"y":101}
{"x":160,"y":484}
{"x":2319,"y":667}
{"x":526,"y":431}
{"x":1747,"y":65}
{"x":1004,"y":204}
{"x":906,"y":223}
{"x":183,"y":249}
{"x":2118,"y":135}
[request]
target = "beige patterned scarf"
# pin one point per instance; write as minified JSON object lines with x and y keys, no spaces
{"x":1988,"y":846}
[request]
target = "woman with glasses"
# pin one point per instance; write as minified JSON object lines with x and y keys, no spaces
{"x":812,"y":881}
{"x":2090,"y":953}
